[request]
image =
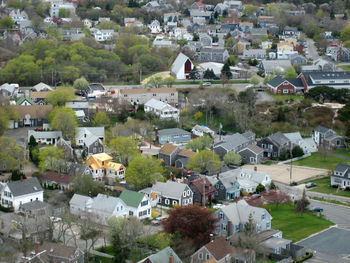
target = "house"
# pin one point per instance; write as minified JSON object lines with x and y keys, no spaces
{"x":141,"y":96}
{"x":297,"y":59}
{"x":269,"y":66}
{"x":182,"y":158}
{"x":266,"y":21}
{"x":138,"y":204}
{"x":307,"y":144}
{"x":205,"y":40}
{"x":87,"y":23}
{"x":90,"y":139}
{"x":56,"y":180}
{"x":233,"y":5}
{"x":171,"y":17}
{"x":279,"y":85}
{"x":45,"y":137}
{"x":173,"y":135}
{"x":172,"y":193}
{"x":20,"y":192}
{"x":203,"y":190}
{"x":233,"y":143}
{"x":49,"y":252}
{"x":274,"y":144}
{"x":165,"y":255}
{"x":252,"y":154}
{"x":181,"y":67}
{"x":232,"y":218}
{"x":327,"y":138}
{"x":41,"y":87}
{"x":29,"y":116}
{"x":162,"y":110}
{"x":80,"y":205}
{"x":102,"y":35}
{"x":291,"y":32}
{"x":220,"y":251}
{"x":35,"y":209}
{"x":67,"y":148}
{"x":57,"y":6}
{"x":168,"y":153}
{"x":254,"y":54}
{"x":9,"y":90}
{"x":102,"y":167}
{"x":335,"y":79}
{"x":79,"y":106}
{"x":266,"y":45}
{"x":18,"y":16}
{"x":319,"y":65}
{"x":251,"y":175}
{"x":226,"y":186}
{"x":246,"y":26}
{"x":341,"y":176}
{"x":213,"y":54}
{"x":160,"y":41}
{"x":198,"y":6}
{"x":338,"y":52}
{"x":25,"y":101}
{"x":201,"y":130}
{"x":38,"y":97}
{"x":155,"y":27}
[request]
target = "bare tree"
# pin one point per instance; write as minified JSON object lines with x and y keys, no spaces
{"x":89,"y":232}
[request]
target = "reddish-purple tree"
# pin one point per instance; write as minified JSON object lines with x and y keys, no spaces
{"x":192,"y":222}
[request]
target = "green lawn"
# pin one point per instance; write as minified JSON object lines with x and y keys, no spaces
{"x":317,"y":160}
{"x":284,"y":97}
{"x":344,"y":152}
{"x":294,"y":226}
{"x":330,"y":201}
{"x":345,"y":67}
{"x":235,"y":81}
{"x":323,"y":186}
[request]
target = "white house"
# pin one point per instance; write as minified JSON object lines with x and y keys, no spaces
{"x":103,"y":35}
{"x":20,"y":192}
{"x":18,"y":16}
{"x":201,"y":130}
{"x":155,"y":27}
{"x":45,"y":137}
{"x":138,"y":204}
{"x":162,"y":110}
{"x":80,"y":205}
{"x":87,"y":22}
{"x":56,"y":6}
{"x":181,"y":67}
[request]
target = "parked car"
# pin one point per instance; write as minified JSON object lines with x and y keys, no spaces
{"x":222,"y":132}
{"x":207,"y":84}
{"x":310,"y":184}
{"x":316,"y":209}
{"x":294,"y":184}
{"x":158,"y":220}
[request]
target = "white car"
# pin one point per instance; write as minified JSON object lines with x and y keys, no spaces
{"x":55,"y":219}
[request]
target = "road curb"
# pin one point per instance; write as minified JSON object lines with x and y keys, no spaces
{"x":315,"y":234}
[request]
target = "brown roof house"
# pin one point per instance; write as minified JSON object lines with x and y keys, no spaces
{"x":168,"y":153}
{"x":38,"y":97}
{"x":219,"y":250}
{"x":56,"y":180}
{"x":30,"y":116}
{"x":203,"y":190}
{"x":182,"y":158}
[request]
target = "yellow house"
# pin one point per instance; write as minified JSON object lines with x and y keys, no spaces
{"x":101,"y":165}
{"x":285,"y":46}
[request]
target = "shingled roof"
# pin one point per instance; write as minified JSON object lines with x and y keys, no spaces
{"x":24,"y":187}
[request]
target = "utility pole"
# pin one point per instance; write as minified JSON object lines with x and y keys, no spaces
{"x":140,"y":76}
{"x":203,"y":197}
{"x":291,"y":166}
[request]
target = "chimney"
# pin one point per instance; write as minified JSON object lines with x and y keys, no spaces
{"x":217,"y":176}
{"x":229,"y":223}
{"x":255,"y":168}
{"x":36,"y":247}
{"x":211,"y":236}
{"x":171,"y":259}
{"x":21,"y":178}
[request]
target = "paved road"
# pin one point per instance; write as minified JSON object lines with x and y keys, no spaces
{"x":313,"y":54}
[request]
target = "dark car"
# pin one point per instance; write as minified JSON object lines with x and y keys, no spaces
{"x":79,"y":93}
{"x":294,"y":184}
{"x":222,"y":132}
{"x":316,"y":209}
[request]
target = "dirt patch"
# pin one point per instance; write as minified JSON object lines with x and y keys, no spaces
{"x":281,"y":173}
{"x":163,"y":75}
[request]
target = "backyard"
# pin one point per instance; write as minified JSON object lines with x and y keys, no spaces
{"x":323,"y":186}
{"x":318,"y":160}
{"x":294,"y":226}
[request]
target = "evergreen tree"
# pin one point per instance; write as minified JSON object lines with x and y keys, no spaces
{"x":226,"y":70}
{"x":194,"y":74}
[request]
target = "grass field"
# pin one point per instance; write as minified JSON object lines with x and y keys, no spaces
{"x":344,"y":152}
{"x":317,"y":160}
{"x":294,"y":226}
{"x":235,"y":81}
{"x":345,"y":67}
{"x":330,"y":201}
{"x":284,"y":97}
{"x":323,"y":186}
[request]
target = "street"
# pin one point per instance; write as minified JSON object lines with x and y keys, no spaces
{"x":313,"y":54}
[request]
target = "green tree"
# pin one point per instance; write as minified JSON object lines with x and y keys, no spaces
{"x":209,"y":74}
{"x":6,"y":22}
{"x":301,"y":206}
{"x":14,"y":4}
{"x":50,"y":159}
{"x":143,"y":170}
{"x":249,"y":10}
{"x":11,"y":154}
{"x":290,"y":72}
{"x":260,"y":188}
{"x":124,"y":148}
{"x":194,"y":74}
{"x":226,"y":71}
{"x":81,"y":84}
{"x":268,"y":77}
{"x":278,"y":71}
{"x":62,"y":13}
{"x":17,"y":175}
{"x":84,"y":184}
{"x":155,"y":82}
{"x":232,"y":158}
{"x":205,"y":161}
{"x":254,"y":80}
{"x":101,"y":119}
{"x":345,"y":33}
{"x":281,"y":116}
{"x":200,"y":143}
{"x":4,"y":121}
{"x":69,"y":74}
{"x":64,"y":119}
{"x":297,"y":151}
{"x":169,"y":81}
{"x":60,"y":96}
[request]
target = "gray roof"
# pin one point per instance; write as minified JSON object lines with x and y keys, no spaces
{"x":169,"y":189}
{"x":36,"y":204}
{"x":322,"y":129}
{"x":271,"y":65}
{"x":105,"y":203}
{"x":248,"y":134}
{"x":329,"y":75}
{"x":213,"y":50}
{"x":77,"y":104}
{"x":342,"y":167}
{"x":27,"y":186}
{"x":158,"y":105}
{"x":251,"y":52}
{"x":232,"y":141}
{"x":258,"y":31}
{"x":97,"y":131}
{"x":163,"y":256}
{"x":297,"y":82}
{"x":253,"y":148}
{"x":44,"y":134}
{"x":275,"y":242}
{"x":173,"y":131}
{"x":238,"y":174}
{"x":279,"y":138}
{"x":80,"y":200}
{"x":178,"y":63}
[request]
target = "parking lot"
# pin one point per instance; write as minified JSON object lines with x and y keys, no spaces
{"x":281,"y":173}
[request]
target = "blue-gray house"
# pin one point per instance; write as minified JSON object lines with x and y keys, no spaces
{"x":174,"y":135}
{"x":226,"y":186}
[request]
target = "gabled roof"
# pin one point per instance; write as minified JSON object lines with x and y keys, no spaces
{"x":41,"y":87}
{"x":203,"y":183}
{"x":24,"y":98}
{"x":173,"y":131}
{"x":168,"y":149}
{"x":232,"y":141}
{"x":162,"y":257}
{"x":179,"y":62}
{"x":35,"y":111}
{"x":169,"y":189}
{"x":56,"y":177}
{"x":219,"y":248}
{"x":322,"y":129}
{"x":80,"y":200}
{"x":105,"y":203}
{"x":44,"y":134}
{"x":96,"y":131}
{"x":159,"y":105}
{"x":342,"y":167}
{"x":27,"y":186}
{"x":186,"y":153}
{"x":131,"y":198}
{"x":38,"y":94}
{"x":254,"y":149}
{"x":279,"y":138}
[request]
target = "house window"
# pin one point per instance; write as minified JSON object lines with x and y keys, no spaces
{"x":167,"y":201}
{"x":131,"y":213}
{"x":208,"y":256}
{"x":267,"y":225}
{"x":154,"y":95}
{"x":174,"y":203}
{"x":188,"y":192}
{"x":200,"y":255}
{"x":184,"y":194}
{"x":190,"y":200}
{"x":263,"y":217}
{"x":140,"y":214}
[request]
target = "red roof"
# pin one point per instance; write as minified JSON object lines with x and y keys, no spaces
{"x":198,"y":183}
{"x":56,"y":177}
{"x":199,"y":3}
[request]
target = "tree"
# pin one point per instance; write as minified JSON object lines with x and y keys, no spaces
{"x":81,"y":84}
{"x":232,"y":158}
{"x":192,"y":222}
{"x":101,"y":119}
{"x":6,"y":22}
{"x":194,"y":74}
{"x":254,"y":80}
{"x":260,"y":188}
{"x":281,"y":116}
{"x":84,"y":184}
{"x":64,"y":119}
{"x":70,"y":73}
{"x":198,"y":115}
{"x":155,"y":82}
{"x":250,"y":226}
{"x":297,"y":151}
{"x":249,"y":10}
{"x":302,"y":204}
{"x":50,"y":159}
{"x":11,"y":154}
{"x":4,"y":121}
{"x":226,"y":71}
{"x":142,"y":171}
{"x":200,"y":143}
{"x":205,"y":161}
{"x":62,"y":13}
{"x":60,"y":96}
{"x":248,"y":97}
{"x":290,"y":72}
{"x":278,"y":71}
{"x":89,"y":232}
{"x":169,"y":81}
{"x":345,"y":33}
{"x":278,"y":197}
{"x":268,"y":77}
{"x":209,"y":74}
{"x":124,"y":148}
{"x":17,"y":175}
